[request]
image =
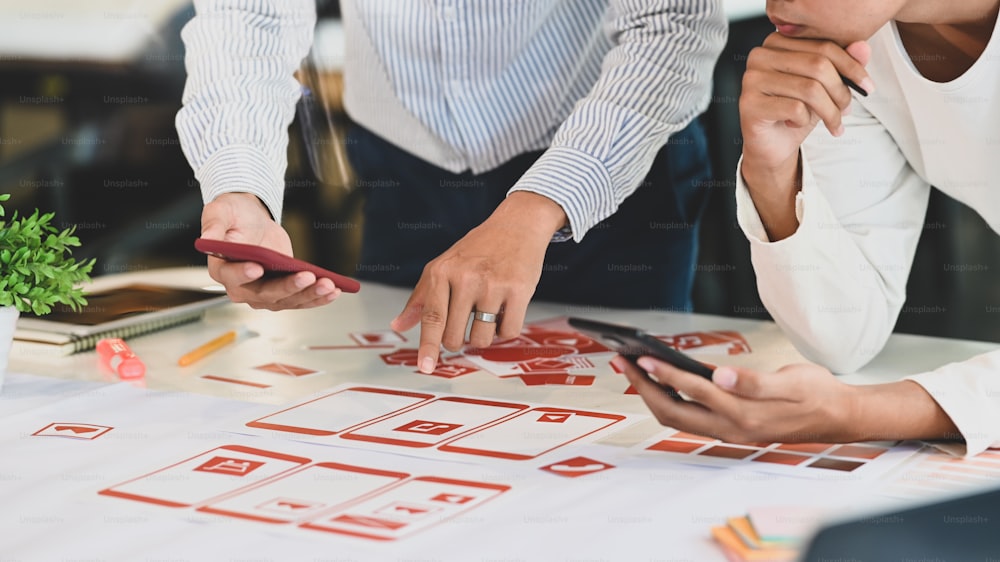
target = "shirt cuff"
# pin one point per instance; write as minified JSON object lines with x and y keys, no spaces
{"x":967,"y":392}
{"x":746,"y":211}
{"x":577,"y":182}
{"x":241,"y":169}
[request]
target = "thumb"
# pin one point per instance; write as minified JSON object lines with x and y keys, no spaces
{"x":214,"y":224}
{"x":861,"y":51}
{"x":213,"y":230}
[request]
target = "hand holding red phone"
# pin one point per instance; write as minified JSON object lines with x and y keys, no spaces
{"x":242,"y":218}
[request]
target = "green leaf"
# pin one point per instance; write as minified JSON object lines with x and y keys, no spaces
{"x":37,"y":269}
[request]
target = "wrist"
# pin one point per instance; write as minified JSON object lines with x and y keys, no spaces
{"x":533,"y":212}
{"x":899,"y":410}
{"x":773,"y":190}
{"x":244,"y":201}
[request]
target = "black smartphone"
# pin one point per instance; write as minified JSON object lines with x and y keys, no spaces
{"x":633,"y":343}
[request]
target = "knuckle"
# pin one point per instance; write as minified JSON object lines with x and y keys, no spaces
{"x":750,"y":427}
{"x":801,"y":111}
{"x":816,"y":63}
{"x":434,"y":268}
{"x":432,"y":317}
{"x":480,"y":341}
{"x":756,"y":56}
{"x":829,"y":50}
{"x":452,"y":343}
{"x":814,"y":90}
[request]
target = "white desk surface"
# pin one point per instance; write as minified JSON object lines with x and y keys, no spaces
{"x":650,"y":508}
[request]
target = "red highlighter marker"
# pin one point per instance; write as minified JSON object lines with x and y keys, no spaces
{"x":118,"y":357}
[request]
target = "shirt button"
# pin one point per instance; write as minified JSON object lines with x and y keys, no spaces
{"x":449,"y":13}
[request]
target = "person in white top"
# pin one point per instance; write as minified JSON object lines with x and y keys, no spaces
{"x":834,"y":212}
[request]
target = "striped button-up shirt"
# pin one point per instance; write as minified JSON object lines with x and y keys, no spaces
{"x":465,"y":85}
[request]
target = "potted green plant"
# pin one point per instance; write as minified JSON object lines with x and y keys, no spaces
{"x":37,"y":270}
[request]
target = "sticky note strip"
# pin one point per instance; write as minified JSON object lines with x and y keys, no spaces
{"x":784,"y":524}
{"x":728,"y":538}
{"x":745,"y":531}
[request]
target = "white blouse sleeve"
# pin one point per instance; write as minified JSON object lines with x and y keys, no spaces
{"x":838,"y":283}
{"x":969,"y":392}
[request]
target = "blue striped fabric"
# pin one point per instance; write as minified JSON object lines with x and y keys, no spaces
{"x":466,"y":85}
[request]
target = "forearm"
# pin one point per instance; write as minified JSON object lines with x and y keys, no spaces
{"x":897,"y":410}
{"x":773,"y":191}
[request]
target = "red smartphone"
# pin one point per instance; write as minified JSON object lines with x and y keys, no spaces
{"x":274,"y":263}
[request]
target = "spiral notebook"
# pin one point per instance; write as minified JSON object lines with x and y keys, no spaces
{"x":120,"y":312}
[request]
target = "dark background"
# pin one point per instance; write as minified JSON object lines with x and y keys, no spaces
{"x":96,"y":144}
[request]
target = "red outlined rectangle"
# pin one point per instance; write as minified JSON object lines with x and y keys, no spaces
{"x":305,"y":493}
{"x":235,"y":381}
{"x":340,"y":411}
{"x":378,"y":338}
{"x":188,"y":483}
{"x":532,"y":433}
{"x":450,"y":417}
{"x":397,"y":512}
{"x":73,"y":430}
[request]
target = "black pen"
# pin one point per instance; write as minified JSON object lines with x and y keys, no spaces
{"x":850,"y":84}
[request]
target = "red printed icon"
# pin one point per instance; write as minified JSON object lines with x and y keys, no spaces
{"x":406,"y":357}
{"x":548,"y":365}
{"x":451,"y":370}
{"x":428,"y":427}
{"x":285,"y":505}
{"x":230,"y":466}
{"x":562,"y":378}
{"x":579,"y":343}
{"x":722,"y":342}
{"x":452,"y":498}
{"x":379,"y":338}
{"x":577,"y":466}
{"x":518,"y":350}
{"x":554,"y":417}
{"x":73,"y":430}
{"x":284,"y":369}
{"x":406,"y":510}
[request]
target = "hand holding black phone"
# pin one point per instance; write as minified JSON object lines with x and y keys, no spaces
{"x":633,"y":343}
{"x":272,"y":262}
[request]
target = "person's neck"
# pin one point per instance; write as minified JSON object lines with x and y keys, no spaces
{"x":944,"y":39}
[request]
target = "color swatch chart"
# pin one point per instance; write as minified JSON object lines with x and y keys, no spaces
{"x":800,"y":458}
{"x":933,"y":473}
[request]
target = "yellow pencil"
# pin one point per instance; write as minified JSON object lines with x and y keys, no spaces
{"x":204,"y":349}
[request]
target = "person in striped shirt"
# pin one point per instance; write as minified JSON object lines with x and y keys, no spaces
{"x":484,"y":133}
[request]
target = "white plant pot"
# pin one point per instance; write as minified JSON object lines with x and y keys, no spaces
{"x":8,"y":320}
